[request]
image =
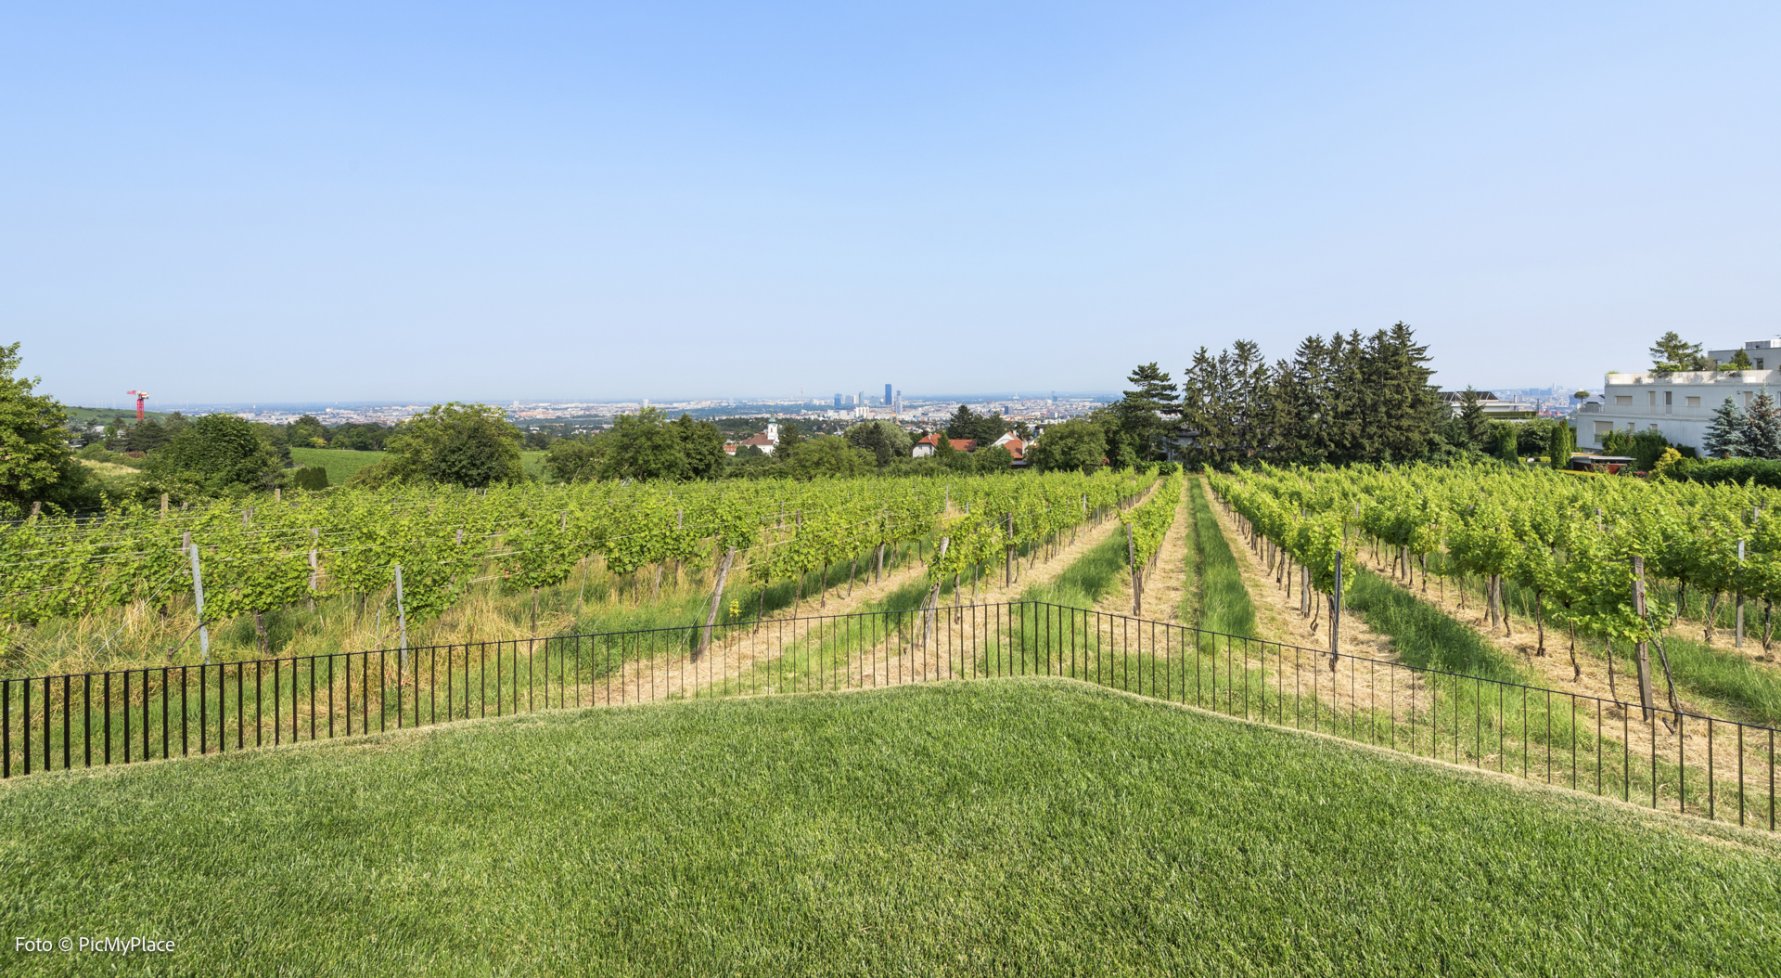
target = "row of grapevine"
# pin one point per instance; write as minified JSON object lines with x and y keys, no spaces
{"x":1590,"y":550}
{"x":1146,"y":525}
{"x":272,"y":552}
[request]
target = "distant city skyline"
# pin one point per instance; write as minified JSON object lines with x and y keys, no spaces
{"x":427,"y":202}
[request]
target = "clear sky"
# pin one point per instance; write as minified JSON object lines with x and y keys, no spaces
{"x":372,"y":201}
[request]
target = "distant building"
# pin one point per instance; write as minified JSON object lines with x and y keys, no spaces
{"x":931,"y":442}
{"x":887,"y":395}
{"x":1494,"y":407}
{"x":1680,"y":404}
{"x":766,"y":441}
{"x":1015,"y":445}
{"x":837,"y":402}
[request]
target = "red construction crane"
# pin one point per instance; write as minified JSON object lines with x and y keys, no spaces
{"x":141,"y":396}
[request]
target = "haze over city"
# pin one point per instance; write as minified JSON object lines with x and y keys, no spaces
{"x":421,"y":202}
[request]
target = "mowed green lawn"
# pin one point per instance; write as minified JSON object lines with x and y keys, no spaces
{"x":342,"y":463}
{"x":998,"y":827}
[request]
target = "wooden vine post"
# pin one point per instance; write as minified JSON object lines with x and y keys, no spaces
{"x":1738,"y":627}
{"x":717,"y":596}
{"x":933,"y":600}
{"x":1131,"y":559}
{"x":1008,"y":555}
{"x":401,"y":627}
{"x":1642,"y":653}
{"x":1336,"y":615}
{"x":198,"y":598}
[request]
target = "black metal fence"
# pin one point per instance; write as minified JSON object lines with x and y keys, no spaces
{"x":1712,"y":767}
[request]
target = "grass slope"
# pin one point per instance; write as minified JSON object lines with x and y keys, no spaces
{"x":343,"y":463}
{"x":1015,"y":827}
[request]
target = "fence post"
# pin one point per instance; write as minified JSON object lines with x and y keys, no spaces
{"x":1336,"y":615}
{"x":198,"y":599}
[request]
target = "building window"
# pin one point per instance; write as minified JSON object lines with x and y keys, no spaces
{"x":1652,"y":397}
{"x":1693,"y":402}
{"x":1759,"y":363}
{"x":1626,"y":400}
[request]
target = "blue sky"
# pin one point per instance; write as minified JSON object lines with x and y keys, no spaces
{"x":234,"y":202}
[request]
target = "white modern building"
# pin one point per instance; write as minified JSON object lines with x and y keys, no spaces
{"x":1679,"y":405}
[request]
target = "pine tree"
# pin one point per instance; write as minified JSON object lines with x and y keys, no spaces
{"x":1725,"y":433}
{"x":1762,"y":428}
{"x":1472,"y":423}
{"x":1671,"y":352}
{"x":1146,"y":412}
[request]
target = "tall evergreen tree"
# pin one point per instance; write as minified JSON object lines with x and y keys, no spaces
{"x":1762,"y":428}
{"x":1725,"y":433}
{"x":1352,"y":398}
{"x":1205,"y":418}
{"x":1147,"y":411}
{"x":1473,"y":425}
{"x":1558,"y":449}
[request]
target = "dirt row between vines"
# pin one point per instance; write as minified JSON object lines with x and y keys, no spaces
{"x":1165,"y":581}
{"x":1553,"y":669}
{"x":1277,"y":618}
{"x":765,"y":655}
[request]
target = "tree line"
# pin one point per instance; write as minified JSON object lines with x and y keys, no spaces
{"x":1343,"y":399}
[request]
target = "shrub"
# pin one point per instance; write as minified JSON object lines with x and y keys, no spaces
{"x":310,"y":477}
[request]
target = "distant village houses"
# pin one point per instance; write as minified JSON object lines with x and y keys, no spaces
{"x":766,"y":441}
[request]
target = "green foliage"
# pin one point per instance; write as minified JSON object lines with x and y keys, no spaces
{"x":35,"y":463}
{"x":1077,"y":445}
{"x":470,"y":445}
{"x":1150,"y":520}
{"x":1672,"y":353}
{"x":1560,"y":446}
{"x":306,"y":432}
{"x":1762,"y":428}
{"x":981,"y":428}
{"x":644,"y":446}
{"x":532,"y":534}
{"x":575,"y":459}
{"x":215,"y":455}
{"x":1474,"y":427}
{"x":1736,"y":471}
{"x":312,"y":477}
{"x":992,"y":459}
{"x":1726,"y":433}
{"x":1147,"y":411}
{"x":702,"y":445}
{"x":1505,"y":440}
{"x":827,"y":455}
{"x":886,"y":440}
{"x":1645,"y":447}
{"x":1739,"y":361}
{"x":1666,"y":461}
{"x":1352,"y":398}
